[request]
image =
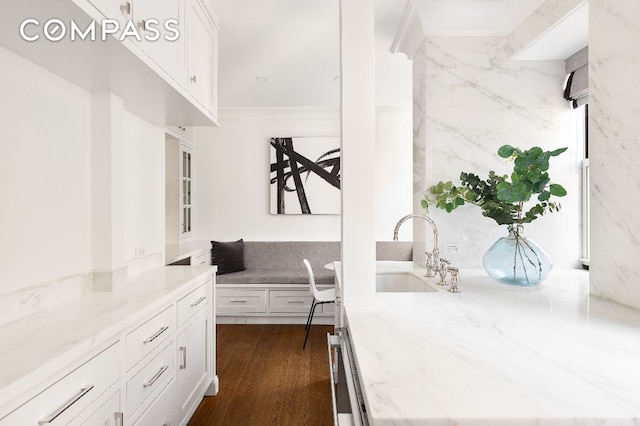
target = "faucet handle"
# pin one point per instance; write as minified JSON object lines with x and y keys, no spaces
{"x":455,"y":277}
{"x":429,"y":264}
{"x":442,"y":270}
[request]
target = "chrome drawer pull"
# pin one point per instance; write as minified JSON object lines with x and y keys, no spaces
{"x":119,"y":417}
{"x":155,"y":336}
{"x":183,"y":351}
{"x":156,"y":376}
{"x":67,"y":405}
{"x":238,"y":300}
{"x":166,"y":424}
{"x":199,"y":301}
{"x":295,"y":301}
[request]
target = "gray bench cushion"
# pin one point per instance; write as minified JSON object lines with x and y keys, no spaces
{"x":277,"y":276}
{"x":280,"y":262}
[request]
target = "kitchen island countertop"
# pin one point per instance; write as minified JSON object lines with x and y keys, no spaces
{"x":495,"y":354}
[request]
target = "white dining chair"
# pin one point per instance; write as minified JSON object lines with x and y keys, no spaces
{"x":320,"y":297}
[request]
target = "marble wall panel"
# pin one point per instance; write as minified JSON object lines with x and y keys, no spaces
{"x":469,"y":99}
{"x":614,"y":108}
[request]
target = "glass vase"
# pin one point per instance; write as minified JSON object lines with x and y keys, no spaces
{"x":517,"y":260}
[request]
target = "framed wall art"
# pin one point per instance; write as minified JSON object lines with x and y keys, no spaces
{"x":305,"y":175}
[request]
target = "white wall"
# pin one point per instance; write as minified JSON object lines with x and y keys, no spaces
{"x":232,"y":174}
{"x":143,"y":187}
{"x":46,"y":173}
{"x":44,"y":176}
{"x":614,"y":129}
{"x":470,"y":99}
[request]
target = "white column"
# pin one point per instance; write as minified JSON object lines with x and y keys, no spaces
{"x":614,"y":150}
{"x":358,"y":151}
{"x":107,"y":192}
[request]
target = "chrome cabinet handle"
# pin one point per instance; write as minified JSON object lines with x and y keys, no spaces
{"x":238,"y":300}
{"x":142,"y":24}
{"x":155,"y":376}
{"x":194,"y":79}
{"x":126,"y":8}
{"x":119,"y":417}
{"x":295,"y":301}
{"x":166,"y":424}
{"x":199,"y":301}
{"x":183,"y":352}
{"x":66,"y":405}
{"x":155,"y":335}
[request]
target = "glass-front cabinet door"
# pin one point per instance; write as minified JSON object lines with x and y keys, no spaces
{"x":186,"y":202}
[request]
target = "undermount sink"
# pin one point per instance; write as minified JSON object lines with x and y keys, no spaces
{"x":402,"y":282}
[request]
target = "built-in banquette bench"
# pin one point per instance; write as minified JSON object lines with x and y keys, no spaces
{"x":274,"y":287}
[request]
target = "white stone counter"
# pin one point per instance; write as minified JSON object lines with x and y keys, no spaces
{"x":498,"y":355}
{"x":177,"y":252}
{"x":39,"y":345}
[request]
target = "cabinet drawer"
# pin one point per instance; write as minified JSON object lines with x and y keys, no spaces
{"x":149,"y":336}
{"x":203,"y":258}
{"x":68,"y":397}
{"x":238,"y":301}
{"x":162,"y":410}
{"x":193,"y":302}
{"x":106,"y":413}
{"x":151,"y":377}
{"x":328,"y":308}
{"x":289,"y":301}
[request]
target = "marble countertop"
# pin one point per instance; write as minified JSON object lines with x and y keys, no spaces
{"x":176,"y":252}
{"x":498,"y":355}
{"x":39,"y":345}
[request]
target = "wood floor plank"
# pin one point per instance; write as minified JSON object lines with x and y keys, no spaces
{"x":246,"y":392}
{"x":320,"y":405}
{"x":296,"y":393}
{"x":267,"y":379}
{"x":273,"y":393}
{"x":243,"y":344}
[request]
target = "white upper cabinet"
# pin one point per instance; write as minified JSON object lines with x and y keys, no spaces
{"x":143,"y":62}
{"x":202,"y":45}
{"x":114,"y":9}
{"x":151,"y":18}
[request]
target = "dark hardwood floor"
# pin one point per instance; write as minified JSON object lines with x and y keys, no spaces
{"x":267,"y":379}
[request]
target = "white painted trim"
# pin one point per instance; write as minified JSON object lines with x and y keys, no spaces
{"x":318,"y":319}
{"x":266,"y":114}
{"x":410,"y":33}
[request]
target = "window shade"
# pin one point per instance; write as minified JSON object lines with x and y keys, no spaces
{"x":577,"y":88}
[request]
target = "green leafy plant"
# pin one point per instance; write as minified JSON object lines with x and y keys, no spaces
{"x":503,"y":198}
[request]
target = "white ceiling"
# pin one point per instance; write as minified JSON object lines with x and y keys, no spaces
{"x":294,"y":44}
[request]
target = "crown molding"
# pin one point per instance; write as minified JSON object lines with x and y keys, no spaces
{"x":410,"y":33}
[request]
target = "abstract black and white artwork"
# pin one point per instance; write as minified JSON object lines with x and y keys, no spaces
{"x":305,"y":175}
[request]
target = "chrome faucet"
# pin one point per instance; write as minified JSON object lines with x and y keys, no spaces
{"x":433,"y":258}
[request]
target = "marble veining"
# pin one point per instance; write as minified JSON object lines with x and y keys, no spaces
{"x":498,"y":355}
{"x":469,"y":99}
{"x":37,"y":346}
{"x":24,"y":302}
{"x":614,"y":106}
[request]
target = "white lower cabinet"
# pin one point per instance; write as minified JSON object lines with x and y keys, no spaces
{"x":269,"y":303}
{"x":192,"y":365}
{"x":62,"y":402}
{"x":241,"y":301}
{"x":151,"y":378}
{"x":152,"y":372}
{"x":163,"y":410}
{"x":107,"y":414}
{"x":289,"y":301}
